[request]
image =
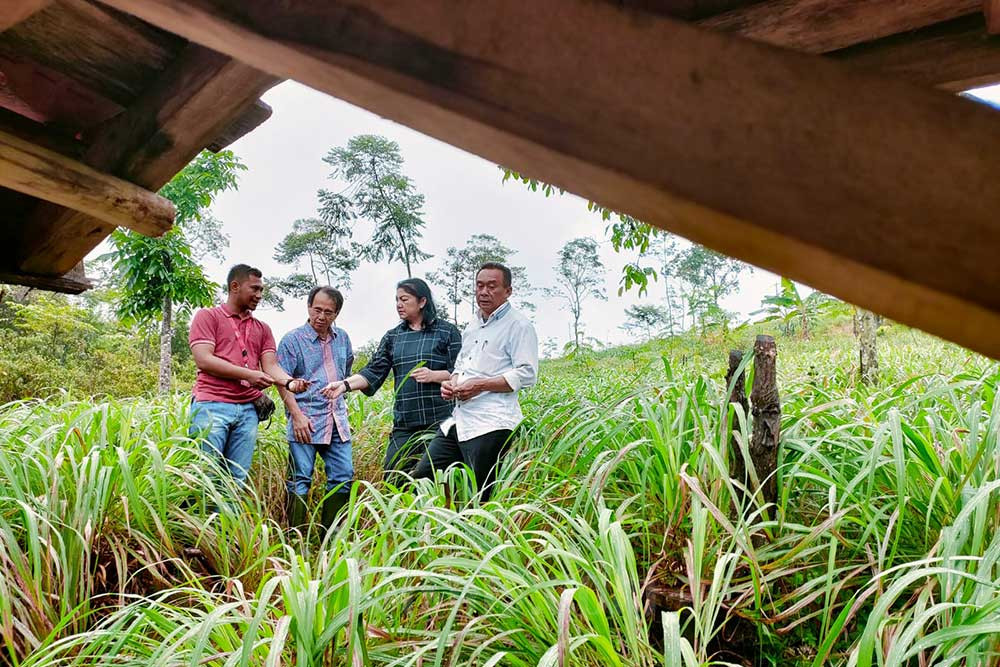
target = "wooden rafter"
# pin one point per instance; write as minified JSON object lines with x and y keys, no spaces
{"x":879,"y":192}
{"x":818,"y":26}
{"x":52,"y":177}
{"x":991,"y":11}
{"x":954,"y":56}
{"x":13,"y":12}
{"x":186,"y":109}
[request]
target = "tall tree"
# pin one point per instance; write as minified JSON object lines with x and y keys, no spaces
{"x":457,"y":273}
{"x":378,"y":192}
{"x":648,"y":318}
{"x":318,"y":251}
{"x":709,"y":277}
{"x":663,"y":246}
{"x":157,"y":275}
{"x":579,"y":276}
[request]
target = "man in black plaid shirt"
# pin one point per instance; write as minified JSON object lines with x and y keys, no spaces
{"x":420,"y":339}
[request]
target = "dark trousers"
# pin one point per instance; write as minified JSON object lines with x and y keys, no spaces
{"x":407,"y":445}
{"x":482,"y":454}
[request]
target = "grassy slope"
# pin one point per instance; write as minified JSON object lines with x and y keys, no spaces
{"x":884,"y":546}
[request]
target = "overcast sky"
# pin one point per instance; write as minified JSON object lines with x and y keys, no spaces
{"x":464,"y":196}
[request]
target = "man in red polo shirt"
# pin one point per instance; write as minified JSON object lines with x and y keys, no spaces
{"x":236,"y":359}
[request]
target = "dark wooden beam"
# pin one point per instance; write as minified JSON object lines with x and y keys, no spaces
{"x":874,"y":190}
{"x":991,"y":11}
{"x":52,"y":177}
{"x":13,"y":12}
{"x":70,"y":283}
{"x":818,"y":26}
{"x":45,"y":136}
{"x":954,"y":56}
{"x":183,"y":112}
{"x":250,"y":120}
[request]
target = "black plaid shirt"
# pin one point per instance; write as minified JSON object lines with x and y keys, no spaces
{"x":402,"y":348}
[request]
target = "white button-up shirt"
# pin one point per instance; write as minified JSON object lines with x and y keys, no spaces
{"x":505,"y":344}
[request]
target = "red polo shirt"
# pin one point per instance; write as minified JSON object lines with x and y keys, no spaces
{"x":229,"y":333}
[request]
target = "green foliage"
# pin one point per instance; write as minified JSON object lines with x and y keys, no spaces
{"x":51,"y":345}
{"x":378,"y":192}
{"x":579,"y":276}
{"x":152,"y":272}
{"x":319,"y":246}
{"x":882,"y":549}
{"x":788,"y":306}
{"x":457,"y":274}
{"x":647,"y":318}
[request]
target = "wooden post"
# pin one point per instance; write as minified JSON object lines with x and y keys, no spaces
{"x":45,"y":174}
{"x":766,"y":417}
{"x":867,"y":327}
{"x":738,"y":395}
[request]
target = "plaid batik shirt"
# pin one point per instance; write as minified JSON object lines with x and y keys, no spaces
{"x":399,"y":351}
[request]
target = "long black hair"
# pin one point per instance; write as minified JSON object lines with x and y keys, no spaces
{"x":419,"y":289}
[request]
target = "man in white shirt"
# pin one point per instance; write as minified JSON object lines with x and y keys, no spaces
{"x":499,"y":357}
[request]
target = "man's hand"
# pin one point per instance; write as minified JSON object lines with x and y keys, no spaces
{"x":302,"y":428}
{"x":259,"y":379}
{"x":468,"y":389}
{"x":448,"y":390}
{"x":299,"y":385}
{"x":422,"y":375}
{"x":334,"y":390}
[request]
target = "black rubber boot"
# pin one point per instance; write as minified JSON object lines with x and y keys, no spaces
{"x":296,"y":511}
{"x":332,"y":505}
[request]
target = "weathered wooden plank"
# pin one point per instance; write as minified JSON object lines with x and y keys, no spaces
{"x":197,"y":97}
{"x":954,"y":56}
{"x":106,"y":51}
{"x":36,"y":133}
{"x":13,"y":12}
{"x":991,"y":11}
{"x":251,"y":119}
{"x":42,"y":173}
{"x":868,"y":188}
{"x":71,"y":283}
{"x":818,"y":26}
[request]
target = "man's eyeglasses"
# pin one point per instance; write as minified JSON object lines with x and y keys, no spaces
{"x":324,"y":312}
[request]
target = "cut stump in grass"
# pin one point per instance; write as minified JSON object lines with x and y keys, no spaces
{"x":766,"y":412}
{"x":737,"y":396}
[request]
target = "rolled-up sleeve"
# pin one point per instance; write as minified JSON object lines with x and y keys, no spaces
{"x":524,"y":357}
{"x":379,"y":366}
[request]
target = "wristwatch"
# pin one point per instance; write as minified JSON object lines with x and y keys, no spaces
{"x":288,"y":383}
{"x":347,"y":386}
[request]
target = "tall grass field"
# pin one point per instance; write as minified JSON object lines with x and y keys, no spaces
{"x":616,"y":536}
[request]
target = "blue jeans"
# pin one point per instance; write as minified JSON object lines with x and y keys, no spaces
{"x":336,"y":459}
{"x":229,"y":432}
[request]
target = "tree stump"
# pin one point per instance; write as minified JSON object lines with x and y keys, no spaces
{"x":766,"y":417}
{"x":866,"y":329}
{"x":738,"y":395}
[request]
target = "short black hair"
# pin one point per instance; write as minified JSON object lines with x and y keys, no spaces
{"x":418,"y":288}
{"x":334,"y":294}
{"x":499,"y":267}
{"x":241,"y":272}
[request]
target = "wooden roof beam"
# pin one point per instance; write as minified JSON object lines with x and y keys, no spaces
{"x":47,"y":175}
{"x":13,"y":12}
{"x":818,"y":26}
{"x":954,"y":56}
{"x":880,"y":192}
{"x":991,"y":10}
{"x":197,"y":98}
